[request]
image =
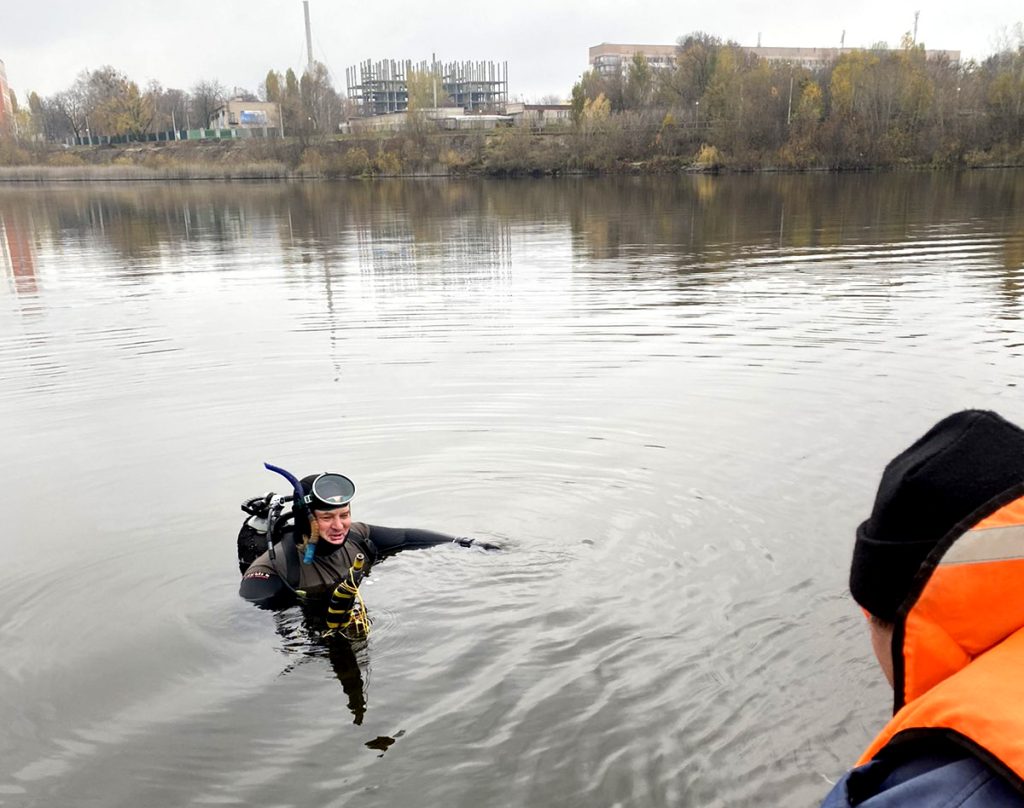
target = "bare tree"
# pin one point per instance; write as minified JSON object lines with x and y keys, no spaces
{"x":70,"y":110}
{"x":169,"y":106}
{"x":206,"y":96}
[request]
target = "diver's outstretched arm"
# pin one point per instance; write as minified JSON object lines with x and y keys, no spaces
{"x":390,"y":540}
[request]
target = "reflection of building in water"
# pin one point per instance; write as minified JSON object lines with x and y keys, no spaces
{"x":16,"y":253}
{"x":395,"y":244}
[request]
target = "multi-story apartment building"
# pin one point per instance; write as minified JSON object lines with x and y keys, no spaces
{"x":609,"y":59}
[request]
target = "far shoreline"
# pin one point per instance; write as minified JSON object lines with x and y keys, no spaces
{"x":13,"y":176}
{"x":496,"y":154}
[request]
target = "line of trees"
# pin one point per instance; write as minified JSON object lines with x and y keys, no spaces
{"x":878,"y":106}
{"x":105,"y":101}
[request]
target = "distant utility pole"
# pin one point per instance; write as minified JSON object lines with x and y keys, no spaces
{"x":309,"y":37}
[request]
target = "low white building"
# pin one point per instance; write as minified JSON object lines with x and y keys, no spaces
{"x":246,"y":115}
{"x":539,"y":116}
{"x":442,"y":117}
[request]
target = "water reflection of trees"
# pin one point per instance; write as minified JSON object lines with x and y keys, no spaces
{"x":390,"y":227}
{"x":703,"y":223}
{"x":721,"y":218}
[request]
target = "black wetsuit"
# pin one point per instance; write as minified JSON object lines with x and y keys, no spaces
{"x":262,"y":581}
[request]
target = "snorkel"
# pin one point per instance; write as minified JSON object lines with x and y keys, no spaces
{"x":297,"y":503}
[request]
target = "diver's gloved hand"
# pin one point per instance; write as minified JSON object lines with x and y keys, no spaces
{"x":465,"y":541}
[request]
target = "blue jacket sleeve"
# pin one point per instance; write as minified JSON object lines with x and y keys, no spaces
{"x":951,"y":779}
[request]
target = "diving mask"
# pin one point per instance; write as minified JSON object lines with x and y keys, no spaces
{"x":329,"y":491}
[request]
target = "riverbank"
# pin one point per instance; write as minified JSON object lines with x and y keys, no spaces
{"x":499,"y":153}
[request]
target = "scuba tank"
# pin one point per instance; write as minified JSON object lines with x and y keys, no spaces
{"x":345,"y":612}
{"x":267,"y":516}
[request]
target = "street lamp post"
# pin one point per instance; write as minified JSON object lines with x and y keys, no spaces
{"x":696,"y":106}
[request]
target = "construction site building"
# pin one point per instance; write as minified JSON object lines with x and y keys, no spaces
{"x":381,"y":88}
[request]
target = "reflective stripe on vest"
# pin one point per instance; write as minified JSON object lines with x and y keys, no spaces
{"x":963,"y":643}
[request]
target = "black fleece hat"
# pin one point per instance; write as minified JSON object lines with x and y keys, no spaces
{"x":964,"y":464}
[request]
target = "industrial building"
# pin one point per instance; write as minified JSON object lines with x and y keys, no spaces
{"x":246,"y":115}
{"x":609,"y":59}
{"x":381,"y":88}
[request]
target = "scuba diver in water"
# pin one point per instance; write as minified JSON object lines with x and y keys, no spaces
{"x":305,"y":548}
{"x":315,"y":553}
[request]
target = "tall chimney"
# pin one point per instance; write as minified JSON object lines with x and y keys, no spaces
{"x":309,"y":37}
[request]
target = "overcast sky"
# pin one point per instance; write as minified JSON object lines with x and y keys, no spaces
{"x":44,"y":44}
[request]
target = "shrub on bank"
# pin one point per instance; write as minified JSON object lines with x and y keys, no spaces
{"x":355,"y":163}
{"x":313,"y":163}
{"x":64,"y":160}
{"x":12,"y":154}
{"x":999,"y":155}
{"x":514,"y":152}
{"x":708,"y":157}
{"x":388,"y":163}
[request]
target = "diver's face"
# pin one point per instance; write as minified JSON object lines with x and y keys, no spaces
{"x":333,"y":525}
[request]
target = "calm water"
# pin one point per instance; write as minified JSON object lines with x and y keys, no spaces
{"x":668,"y":400}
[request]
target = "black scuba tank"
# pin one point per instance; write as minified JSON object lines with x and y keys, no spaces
{"x":252,"y":537}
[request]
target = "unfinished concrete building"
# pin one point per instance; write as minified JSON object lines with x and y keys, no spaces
{"x":380,"y":88}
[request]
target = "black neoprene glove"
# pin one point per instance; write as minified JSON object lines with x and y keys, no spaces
{"x":465,"y":541}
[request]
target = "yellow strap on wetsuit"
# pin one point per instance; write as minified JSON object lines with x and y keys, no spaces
{"x":346,"y":613}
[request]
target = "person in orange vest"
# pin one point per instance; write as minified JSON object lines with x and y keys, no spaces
{"x":938,"y":569}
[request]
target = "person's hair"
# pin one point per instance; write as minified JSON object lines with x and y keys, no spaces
{"x":881,"y":622}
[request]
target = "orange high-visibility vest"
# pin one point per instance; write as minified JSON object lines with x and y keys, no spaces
{"x":959,"y":653}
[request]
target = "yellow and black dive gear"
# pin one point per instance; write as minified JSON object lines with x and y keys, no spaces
{"x":346,"y":613}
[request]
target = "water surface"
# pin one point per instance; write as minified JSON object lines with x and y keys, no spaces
{"x":668,"y":400}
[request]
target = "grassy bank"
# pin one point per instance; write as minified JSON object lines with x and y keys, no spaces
{"x":625,"y":147}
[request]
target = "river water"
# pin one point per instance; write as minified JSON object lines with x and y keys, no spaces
{"x":667,"y":400}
